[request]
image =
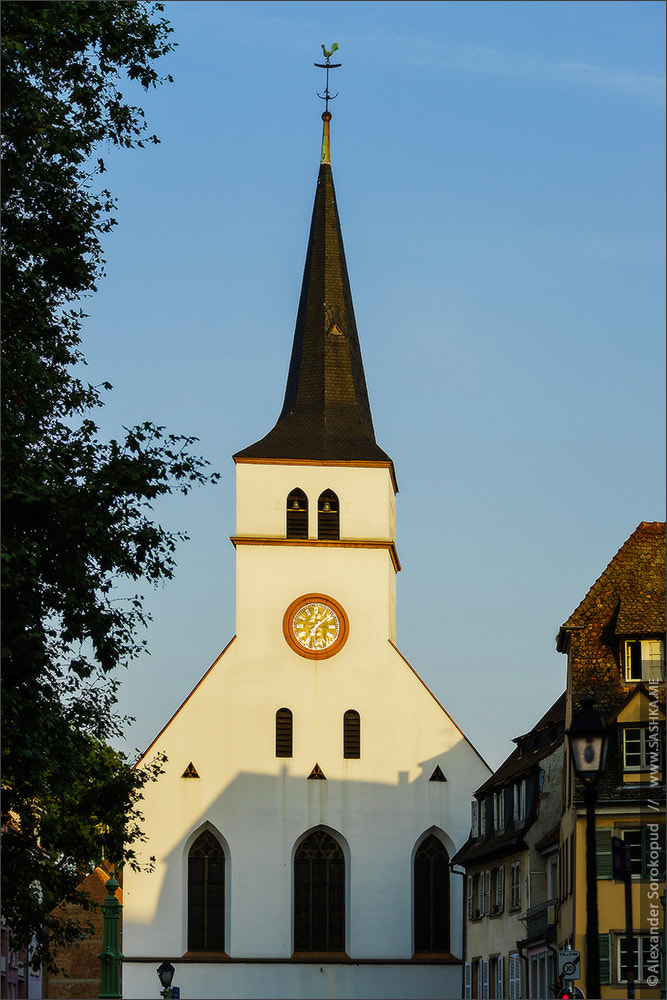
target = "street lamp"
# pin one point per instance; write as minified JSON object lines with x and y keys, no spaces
{"x":165,"y":974}
{"x":588,"y":738}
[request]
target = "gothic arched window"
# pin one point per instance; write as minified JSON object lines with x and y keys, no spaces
{"x":206,"y":894}
{"x":297,"y":514}
{"x":328,"y":518}
{"x":351,"y":734}
{"x":319,"y":894}
{"x":283,"y":733}
{"x":431,"y":900}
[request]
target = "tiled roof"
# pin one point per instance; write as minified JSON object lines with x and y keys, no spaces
{"x":326,"y":414}
{"x":632,"y":587}
{"x":525,"y":756}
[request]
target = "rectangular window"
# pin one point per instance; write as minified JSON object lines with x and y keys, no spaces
{"x":638,"y":960}
{"x":635,"y":748}
{"x":644,"y":660}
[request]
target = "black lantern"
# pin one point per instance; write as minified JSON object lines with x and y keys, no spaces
{"x":589,"y":741}
{"x":165,"y":974}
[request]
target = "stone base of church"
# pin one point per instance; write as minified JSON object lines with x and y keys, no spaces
{"x":266,"y":980}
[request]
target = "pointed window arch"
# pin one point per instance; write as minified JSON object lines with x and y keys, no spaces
{"x":206,"y":894}
{"x":319,"y":894}
{"x":297,"y":514}
{"x":283,"y":733}
{"x":328,"y":516}
{"x":431,"y":896}
{"x":351,"y":734}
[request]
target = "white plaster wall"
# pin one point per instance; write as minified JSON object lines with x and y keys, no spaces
{"x":293,"y":982}
{"x":366,"y":496}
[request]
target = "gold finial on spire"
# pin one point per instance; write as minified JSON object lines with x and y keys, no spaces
{"x":326,"y":96}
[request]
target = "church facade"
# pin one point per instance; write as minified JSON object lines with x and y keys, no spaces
{"x":315,"y":790}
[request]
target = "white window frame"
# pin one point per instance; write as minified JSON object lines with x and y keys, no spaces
{"x":652,"y":667}
{"x":643,"y":748}
{"x":643,"y":959}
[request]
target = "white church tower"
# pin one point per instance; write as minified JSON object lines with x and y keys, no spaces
{"x":315,"y":789}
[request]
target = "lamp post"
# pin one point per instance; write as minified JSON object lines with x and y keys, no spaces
{"x":110,"y":955}
{"x":589,"y":741}
{"x":165,"y":973}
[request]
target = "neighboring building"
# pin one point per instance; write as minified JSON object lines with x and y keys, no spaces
{"x":615,"y":646}
{"x":315,"y":790}
{"x":80,"y":968}
{"x":17,"y":979}
{"x":511,"y":868}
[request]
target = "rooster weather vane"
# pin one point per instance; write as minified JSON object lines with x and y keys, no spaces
{"x":326,"y":96}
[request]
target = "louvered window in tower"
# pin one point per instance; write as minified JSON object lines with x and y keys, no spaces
{"x":328,"y":519}
{"x":319,"y":894}
{"x":297,"y":514}
{"x":283,"y":733}
{"x":351,"y":734}
{"x":431,"y":888}
{"x":206,"y":895}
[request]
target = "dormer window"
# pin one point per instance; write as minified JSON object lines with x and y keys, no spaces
{"x":644,"y":660}
{"x":328,"y":521}
{"x":297,"y":514}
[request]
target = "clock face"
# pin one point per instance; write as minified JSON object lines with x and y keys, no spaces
{"x":315,"y":626}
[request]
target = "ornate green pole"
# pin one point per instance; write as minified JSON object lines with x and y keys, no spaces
{"x":111,"y":954}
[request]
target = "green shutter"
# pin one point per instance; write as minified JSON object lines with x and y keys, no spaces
{"x":603,"y":852}
{"x":605,"y":958}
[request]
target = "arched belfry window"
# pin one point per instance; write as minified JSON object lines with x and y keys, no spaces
{"x":328,"y":517}
{"x":319,"y":894}
{"x":206,"y":894}
{"x":431,"y":896}
{"x":297,"y":514}
{"x":283,"y":733}
{"x":351,"y":734}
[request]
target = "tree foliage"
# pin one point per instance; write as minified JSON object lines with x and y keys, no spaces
{"x":77,"y":511}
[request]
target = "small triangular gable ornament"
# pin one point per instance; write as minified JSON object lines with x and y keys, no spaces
{"x":190,"y":771}
{"x":317,"y":772}
{"x":437,"y":774}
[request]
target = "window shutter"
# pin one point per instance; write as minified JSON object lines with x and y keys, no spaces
{"x":603,"y":852}
{"x":500,"y":891}
{"x":480,"y":894}
{"x":501,"y":810}
{"x":655,"y":660}
{"x":499,"y":976}
{"x":515,"y":976}
{"x":485,"y":978}
{"x":605,"y":958}
{"x":351,"y":734}
{"x":467,"y":982}
{"x":283,"y":733}
{"x":475,"y":818}
{"x":470,"y":895}
{"x":487,"y":892}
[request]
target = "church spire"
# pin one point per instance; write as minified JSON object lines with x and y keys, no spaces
{"x":326,"y":414}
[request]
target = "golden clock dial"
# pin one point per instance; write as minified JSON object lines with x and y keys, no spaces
{"x":315,"y":626}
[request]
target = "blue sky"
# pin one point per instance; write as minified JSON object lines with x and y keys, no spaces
{"x":499,"y":169}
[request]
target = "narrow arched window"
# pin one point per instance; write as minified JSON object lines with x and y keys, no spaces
{"x":297,"y":514}
{"x":283,"y":733}
{"x":431,"y":896}
{"x":351,"y":734}
{"x":206,"y":895}
{"x":319,"y":894}
{"x":328,"y":518}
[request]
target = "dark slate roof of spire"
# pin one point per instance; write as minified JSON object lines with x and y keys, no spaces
{"x":326,"y":415}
